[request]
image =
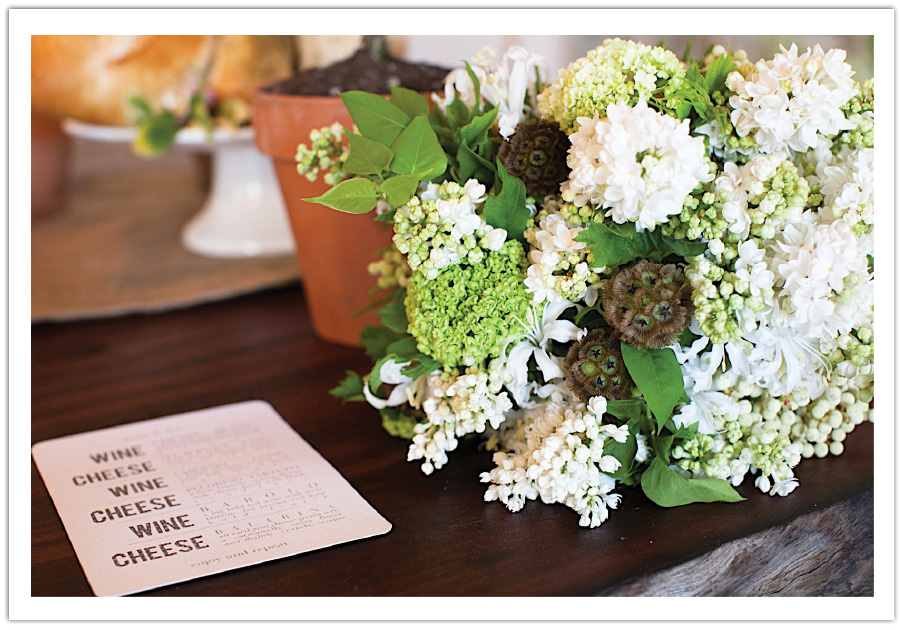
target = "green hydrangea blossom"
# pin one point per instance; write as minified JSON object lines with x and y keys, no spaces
{"x":466,"y":313}
{"x":616,"y":72}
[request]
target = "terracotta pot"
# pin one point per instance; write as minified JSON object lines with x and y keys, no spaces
{"x":334,"y":248}
{"x":49,"y":165}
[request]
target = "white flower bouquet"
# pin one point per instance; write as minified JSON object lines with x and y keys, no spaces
{"x":648,"y":272}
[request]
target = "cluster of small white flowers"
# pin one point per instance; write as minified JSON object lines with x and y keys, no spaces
{"x":457,"y":405}
{"x":559,"y":268}
{"x":765,"y":195}
{"x":636,"y":162}
{"x":848,"y":187}
{"x":556,"y":454}
{"x":823,"y":285}
{"x":442,"y":226}
{"x":792,"y":100}
{"x":820,"y":427}
{"x":505,"y":84}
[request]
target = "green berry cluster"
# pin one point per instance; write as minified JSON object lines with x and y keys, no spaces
{"x":771,"y":202}
{"x":326,"y":154}
{"x":860,"y":111}
{"x":719,"y":295}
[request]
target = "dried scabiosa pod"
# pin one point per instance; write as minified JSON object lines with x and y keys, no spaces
{"x":649,"y":304}
{"x":594,"y":367}
{"x":536,"y":153}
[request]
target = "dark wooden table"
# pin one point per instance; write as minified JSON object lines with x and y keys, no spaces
{"x":446,"y":539}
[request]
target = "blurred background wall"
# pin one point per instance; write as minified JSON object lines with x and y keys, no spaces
{"x":560,"y":50}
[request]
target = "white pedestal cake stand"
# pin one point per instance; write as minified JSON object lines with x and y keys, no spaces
{"x":243,"y":215}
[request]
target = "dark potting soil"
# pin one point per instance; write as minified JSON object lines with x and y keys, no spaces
{"x":362,"y":72}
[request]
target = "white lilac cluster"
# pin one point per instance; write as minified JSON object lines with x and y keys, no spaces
{"x":747,"y":251}
{"x":824,"y":287}
{"x":457,"y":405}
{"x":555,"y":454}
{"x":559,"y":267}
{"x":443,"y":226}
{"x":848,"y":187}
{"x":637,"y":163}
{"x":792,"y":100}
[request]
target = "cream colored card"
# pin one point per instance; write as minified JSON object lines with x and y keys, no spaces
{"x":163,"y":501}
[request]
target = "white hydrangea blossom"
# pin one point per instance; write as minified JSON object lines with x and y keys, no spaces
{"x":456,"y":406}
{"x":504,"y":84}
{"x":793,"y":99}
{"x":823,"y":285}
{"x":556,"y":454}
{"x":636,"y":162}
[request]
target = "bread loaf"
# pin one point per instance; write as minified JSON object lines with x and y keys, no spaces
{"x":91,"y":77}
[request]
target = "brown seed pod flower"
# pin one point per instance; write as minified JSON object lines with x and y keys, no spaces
{"x":594,"y":367}
{"x":649,"y":304}
{"x":536,"y":153}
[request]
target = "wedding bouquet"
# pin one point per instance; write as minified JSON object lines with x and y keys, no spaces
{"x":648,"y":272}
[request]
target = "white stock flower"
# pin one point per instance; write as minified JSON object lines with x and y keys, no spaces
{"x":636,"y":162}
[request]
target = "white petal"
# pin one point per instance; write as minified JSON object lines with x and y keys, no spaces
{"x":548,"y":365}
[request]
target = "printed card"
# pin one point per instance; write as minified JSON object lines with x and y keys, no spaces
{"x":163,"y":501}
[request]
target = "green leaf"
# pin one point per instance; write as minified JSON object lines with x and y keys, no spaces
{"x":457,"y":113}
{"x":367,"y":157}
{"x":394,"y":314}
{"x":405,"y":347}
{"x":614,"y":244}
{"x":156,"y":135}
{"x":356,"y":196}
{"x":609,"y":249}
{"x":387,"y":217}
{"x":375,"y":117}
{"x":418,"y":152}
{"x":200,"y":114}
{"x":376,"y":340}
{"x":667,"y":488}
{"x":476,"y":84}
{"x":473,"y":165}
{"x":871,"y":260}
{"x":422,"y":367}
{"x":622,"y":451}
{"x":658,"y":376}
{"x":142,"y":108}
{"x":476,"y":132}
{"x":717,"y":72}
{"x":627,"y":409}
{"x":399,"y":189}
{"x":507,"y":210}
{"x":350,"y":389}
{"x":661,"y":445}
{"x":411,"y":102}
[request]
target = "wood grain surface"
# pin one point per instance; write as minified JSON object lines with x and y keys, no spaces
{"x":446,"y":539}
